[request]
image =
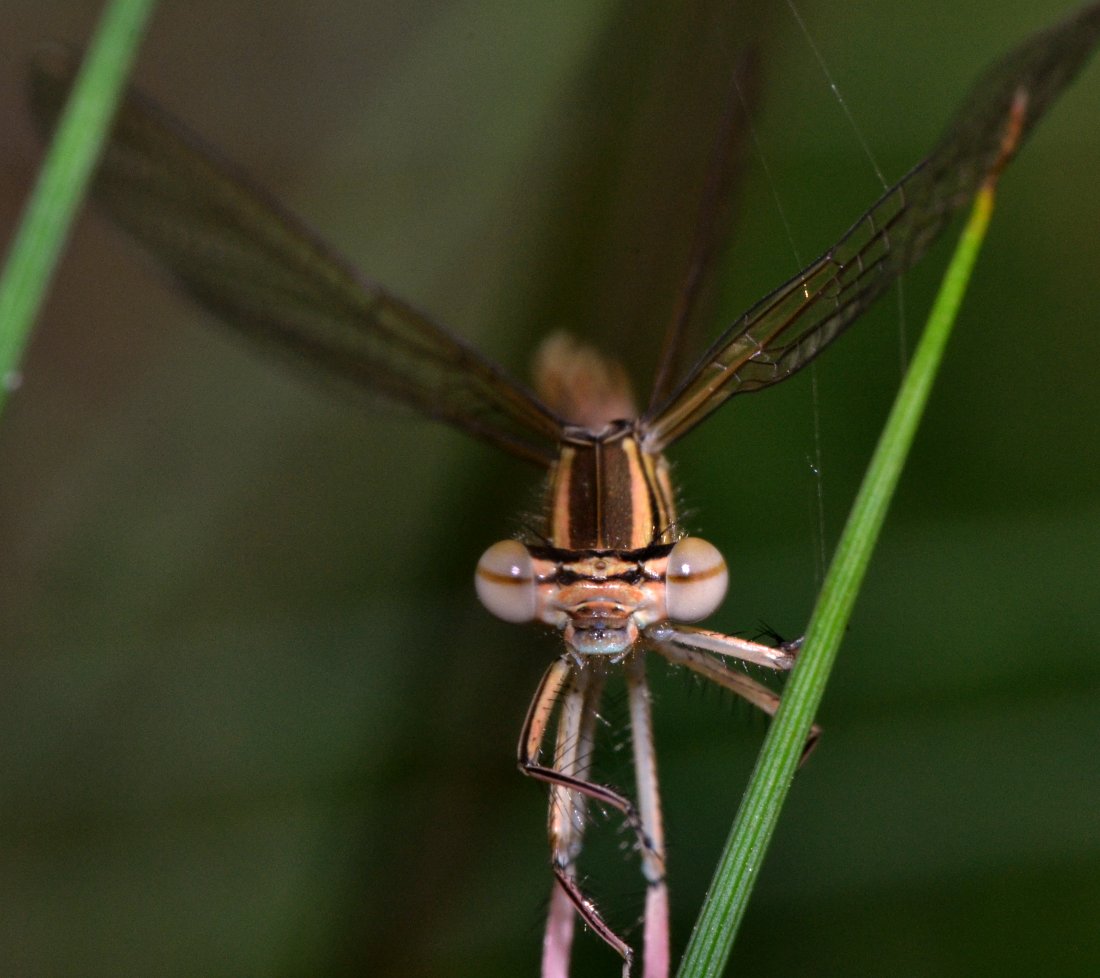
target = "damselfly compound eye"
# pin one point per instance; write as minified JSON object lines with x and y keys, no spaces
{"x":505,"y":581}
{"x":696,"y":580}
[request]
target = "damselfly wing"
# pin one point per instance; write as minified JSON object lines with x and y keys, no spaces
{"x":612,"y":568}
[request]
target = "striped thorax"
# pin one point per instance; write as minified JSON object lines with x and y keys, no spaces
{"x":611,"y":566}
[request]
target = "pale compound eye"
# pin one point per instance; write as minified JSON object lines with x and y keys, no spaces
{"x":505,"y":581}
{"x":696,"y":579}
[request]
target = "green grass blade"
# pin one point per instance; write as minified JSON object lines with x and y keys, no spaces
{"x":61,"y":184}
{"x":739,"y":866}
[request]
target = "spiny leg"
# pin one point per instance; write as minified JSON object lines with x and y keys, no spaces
{"x":703,"y":639}
{"x":656,"y":937}
{"x":573,"y":756}
{"x":546,"y":697}
{"x":682,"y":653}
{"x":577,"y":689}
{"x":558,"y":938}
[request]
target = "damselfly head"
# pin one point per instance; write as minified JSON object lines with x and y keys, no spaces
{"x":602,"y":600}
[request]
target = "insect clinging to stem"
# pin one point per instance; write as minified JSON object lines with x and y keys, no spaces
{"x":612,"y":568}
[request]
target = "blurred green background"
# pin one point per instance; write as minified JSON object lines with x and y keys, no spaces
{"x":252,"y":719}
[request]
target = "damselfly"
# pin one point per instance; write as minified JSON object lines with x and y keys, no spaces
{"x":612,"y":568}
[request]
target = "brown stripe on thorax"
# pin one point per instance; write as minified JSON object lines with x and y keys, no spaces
{"x":605,"y":493}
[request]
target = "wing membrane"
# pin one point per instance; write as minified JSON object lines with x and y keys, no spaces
{"x":713,"y":228}
{"x":240,"y":254}
{"x":788,"y":328}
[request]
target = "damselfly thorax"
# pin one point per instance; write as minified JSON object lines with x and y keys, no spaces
{"x":610,"y":562}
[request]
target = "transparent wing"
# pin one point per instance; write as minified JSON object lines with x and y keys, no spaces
{"x":714,"y":226}
{"x":240,"y":254}
{"x":788,"y":328}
